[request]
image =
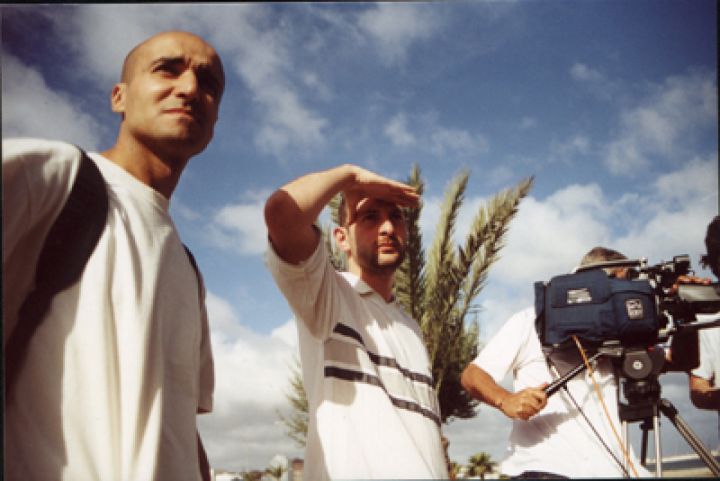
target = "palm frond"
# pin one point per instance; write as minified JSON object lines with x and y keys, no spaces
{"x":410,"y":278}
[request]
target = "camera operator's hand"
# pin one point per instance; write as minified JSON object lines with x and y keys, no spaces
{"x":524,"y":404}
{"x":689,"y":280}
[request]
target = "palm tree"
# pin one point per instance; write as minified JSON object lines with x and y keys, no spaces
{"x":480,"y":464}
{"x":276,"y":471}
{"x":439,"y":290}
{"x":296,"y":425}
{"x":251,"y":475}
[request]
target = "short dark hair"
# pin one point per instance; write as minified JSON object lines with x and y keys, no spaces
{"x":712,"y":244}
{"x":601,"y":254}
{"x":342,"y":210}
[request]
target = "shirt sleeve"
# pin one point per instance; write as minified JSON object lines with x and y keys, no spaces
{"x":313,"y":289}
{"x":505,"y":350}
{"x":709,"y":353}
{"x":37,"y":176}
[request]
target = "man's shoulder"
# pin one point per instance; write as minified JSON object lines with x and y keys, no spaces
{"x":35,"y":147}
{"x":524,"y":316}
{"x":54,"y":161}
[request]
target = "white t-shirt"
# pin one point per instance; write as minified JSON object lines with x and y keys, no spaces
{"x":373,"y":411}
{"x":557,"y":439}
{"x":118,"y":369}
{"x":709,"y":367}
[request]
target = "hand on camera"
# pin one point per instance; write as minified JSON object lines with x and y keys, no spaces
{"x":688,"y":280}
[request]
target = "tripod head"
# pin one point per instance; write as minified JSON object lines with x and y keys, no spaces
{"x":636,"y":366}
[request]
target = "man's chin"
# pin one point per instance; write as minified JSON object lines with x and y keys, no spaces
{"x":389,"y":261}
{"x":190,"y":143}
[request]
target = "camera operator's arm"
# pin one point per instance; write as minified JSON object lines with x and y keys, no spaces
{"x":702,"y":393}
{"x":520,"y":405}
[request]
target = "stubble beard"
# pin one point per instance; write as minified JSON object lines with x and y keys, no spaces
{"x":371,"y":260}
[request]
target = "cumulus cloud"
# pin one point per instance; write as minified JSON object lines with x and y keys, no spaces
{"x":445,"y":141}
{"x":236,"y":226}
{"x":580,"y":71}
{"x":396,"y":130}
{"x":251,"y":379}
{"x":396,"y":27}
{"x":569,"y":150}
{"x":424,"y":133}
{"x":260,"y":52}
{"x":31,"y":109}
{"x":658,"y":128}
{"x":594,"y":80}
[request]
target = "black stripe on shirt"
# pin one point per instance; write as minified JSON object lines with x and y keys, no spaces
{"x":355,"y":376}
{"x":379,"y":360}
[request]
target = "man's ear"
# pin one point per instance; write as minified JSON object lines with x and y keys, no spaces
{"x":117,"y":98}
{"x":341,"y":239}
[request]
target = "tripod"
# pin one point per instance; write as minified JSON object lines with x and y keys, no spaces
{"x":642,"y":391}
{"x":646,"y":405}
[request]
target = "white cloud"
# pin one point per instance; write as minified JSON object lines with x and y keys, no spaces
{"x":571,"y":149}
{"x":312,"y":81}
{"x":594,"y":80}
{"x":677,"y":215}
{"x":251,"y":380}
{"x":445,"y":141}
{"x":426,"y":134}
{"x":581,"y":72}
{"x":396,"y":130}
{"x":657,"y":129}
{"x":396,"y":27}
{"x":31,"y":109}
{"x":241,"y":227}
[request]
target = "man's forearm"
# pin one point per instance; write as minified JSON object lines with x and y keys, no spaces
{"x":480,"y":385}
{"x":311,"y":193}
{"x":519,"y":405}
{"x":291,"y":211}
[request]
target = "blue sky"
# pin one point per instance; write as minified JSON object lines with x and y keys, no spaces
{"x":611,"y":105}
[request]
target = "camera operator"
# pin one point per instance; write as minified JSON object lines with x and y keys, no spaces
{"x":568,"y":434}
{"x":705,"y":379}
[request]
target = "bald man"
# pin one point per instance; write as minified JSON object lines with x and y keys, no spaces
{"x":112,"y":380}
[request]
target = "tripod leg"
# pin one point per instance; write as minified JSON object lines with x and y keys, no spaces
{"x":658,"y":447}
{"x":625,"y":438}
{"x":643,"y":447}
{"x":667,"y":408}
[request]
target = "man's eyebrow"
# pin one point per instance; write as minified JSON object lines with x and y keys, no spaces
{"x":208,"y":68}
{"x":165,"y":59}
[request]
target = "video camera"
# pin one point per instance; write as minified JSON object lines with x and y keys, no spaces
{"x":639,"y":310}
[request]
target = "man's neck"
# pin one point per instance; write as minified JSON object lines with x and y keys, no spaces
{"x":146,"y":165}
{"x":380,"y":283}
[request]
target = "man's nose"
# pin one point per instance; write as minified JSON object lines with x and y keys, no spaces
{"x":187,"y":84}
{"x":387,"y":226}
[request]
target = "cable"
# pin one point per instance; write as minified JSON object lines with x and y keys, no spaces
{"x":589,"y":423}
{"x":604,"y":406}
